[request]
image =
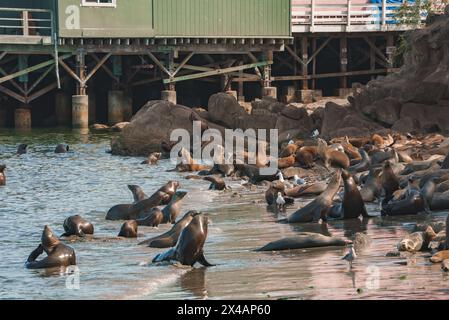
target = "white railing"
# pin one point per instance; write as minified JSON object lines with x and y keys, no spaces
{"x":348,"y":13}
{"x":26,"y":22}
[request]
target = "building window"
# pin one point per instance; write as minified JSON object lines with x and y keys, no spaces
{"x":99,"y":3}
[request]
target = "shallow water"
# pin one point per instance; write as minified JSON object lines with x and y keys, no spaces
{"x":44,"y":188}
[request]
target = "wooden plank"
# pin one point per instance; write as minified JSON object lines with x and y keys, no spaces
{"x":39,"y":80}
{"x":335,"y":74}
{"x":183,"y":63}
{"x":98,"y":66}
{"x":12,"y":94}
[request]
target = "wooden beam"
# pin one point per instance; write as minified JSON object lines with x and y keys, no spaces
{"x":12,"y":94}
{"x":295,"y":56}
{"x":334,"y":75}
{"x":183,"y":63}
{"x":105,"y":68}
{"x":15,"y":84}
{"x":376,"y":50}
{"x":98,"y":66}
{"x":2,"y":55}
{"x":159,"y":64}
{"x":42,"y":77}
{"x":43,"y":91}
{"x":69,"y":71}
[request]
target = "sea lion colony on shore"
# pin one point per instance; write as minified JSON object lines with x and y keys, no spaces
{"x":400,"y":173}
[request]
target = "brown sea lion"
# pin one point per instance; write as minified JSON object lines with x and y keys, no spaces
{"x":440,"y":256}
{"x":61,"y":148}
{"x":284,"y":163}
{"x":352,"y":206}
{"x":189,"y":248}
{"x":447,"y":232}
{"x":137,"y":192}
{"x":306,"y":156}
{"x":372,"y":188}
{"x":304,"y":240}
{"x":128,"y":229}
{"x":58,"y":254}
{"x":77,"y":226}
{"x":272,"y":192}
{"x":289,"y":150}
{"x":404,"y":157}
{"x":440,"y":201}
{"x":313,"y":189}
{"x":319,"y":207}
{"x":217,"y":183}
{"x":188,"y":164}
{"x":417,"y":241}
{"x":364,"y":163}
{"x":359,"y":142}
{"x":153,"y":218}
{"x":172,"y":210}
{"x":332,"y":158}
{"x":169,"y":238}
{"x":442,"y":187}
{"x":253,"y":173}
{"x":382,"y":156}
{"x":153,"y":158}
{"x":390,"y":182}
{"x":352,"y":152}
{"x":2,"y":175}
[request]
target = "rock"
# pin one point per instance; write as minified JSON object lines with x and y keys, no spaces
{"x":406,"y":125}
{"x":99,"y":127}
{"x":427,"y":115}
{"x":293,"y":112}
{"x":303,"y":125}
{"x":333,"y":114}
{"x":152,"y":125}
{"x":224,"y":109}
{"x":202,"y":113}
{"x":119,"y":126}
{"x":386,"y":111}
{"x":269,"y":104}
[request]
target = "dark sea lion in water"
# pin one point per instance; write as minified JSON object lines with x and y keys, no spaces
{"x":61,"y":148}
{"x":372,"y":188}
{"x":169,"y":238}
{"x":141,"y":209}
{"x":304,"y":240}
{"x":138,"y":193}
{"x":352,"y":206}
{"x":22,"y":148}
{"x":364,"y":163}
{"x":319,"y":207}
{"x":2,"y":175}
{"x":216,"y":183}
{"x":128,"y":229}
{"x":390,"y":182}
{"x":58,"y":254}
{"x":172,"y":210}
{"x":189,"y":248}
{"x":153,"y":158}
{"x":77,"y":226}
{"x":153,"y":219}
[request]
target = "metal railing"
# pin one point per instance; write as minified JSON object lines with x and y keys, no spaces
{"x":26,"y":22}
{"x":347,"y":13}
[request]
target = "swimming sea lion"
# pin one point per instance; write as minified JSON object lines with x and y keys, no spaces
{"x":390,"y":182}
{"x":169,"y":238}
{"x":128,"y":229}
{"x":172,"y":210}
{"x":372,"y":188}
{"x":58,"y":254}
{"x":61,"y":148}
{"x":319,"y":207}
{"x":77,"y":226}
{"x":22,"y":148}
{"x":352,"y":206}
{"x":153,"y":218}
{"x":153,"y":158}
{"x":305,"y":240}
{"x":216,"y":183}
{"x":2,"y":175}
{"x":137,"y":192}
{"x":189,"y":248}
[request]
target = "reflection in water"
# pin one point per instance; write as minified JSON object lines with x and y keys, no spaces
{"x":195,"y":282}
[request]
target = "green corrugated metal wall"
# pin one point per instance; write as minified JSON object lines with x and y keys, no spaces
{"x":222,"y":18}
{"x":181,"y":18}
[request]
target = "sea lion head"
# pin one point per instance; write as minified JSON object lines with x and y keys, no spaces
{"x":49,"y":240}
{"x":192,"y":213}
{"x":2,"y":168}
{"x":387,"y":164}
{"x":22,"y":148}
{"x":179,"y":194}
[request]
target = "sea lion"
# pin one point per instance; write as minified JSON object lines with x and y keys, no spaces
{"x":390,"y":182}
{"x":442,"y":187}
{"x":420,"y":165}
{"x":312,"y":189}
{"x":169,"y":188}
{"x":153,"y":158}
{"x":141,"y":209}
{"x":172,"y":210}
{"x":22,"y":148}
{"x":404,"y":157}
{"x":372,"y":188}
{"x":61,"y":148}
{"x":169,"y":238}
{"x":253,"y":173}
{"x":216,"y":183}
{"x":153,"y":219}
{"x":382,"y":156}
{"x":364,"y":163}
{"x":284,"y":163}
{"x":188,"y":164}
{"x":271,"y":193}
{"x":306,"y":156}
{"x":332,"y":158}
{"x":447,"y":232}
{"x":440,"y":256}
{"x":77,"y":226}
{"x":128,"y":229}
{"x":304,"y":240}
{"x":137,"y":192}
{"x":189,"y":248}
{"x":2,"y":175}
{"x":289,"y":150}
{"x":417,"y":241}
{"x":427,"y":192}
{"x":440,"y":202}
{"x":352,"y":152}
{"x":319,"y":207}
{"x":411,"y":205}
{"x":352,"y":206}
{"x":58,"y":254}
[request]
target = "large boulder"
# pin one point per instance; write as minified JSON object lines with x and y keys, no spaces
{"x":224,"y":109}
{"x":151,"y":125}
{"x":385,"y":111}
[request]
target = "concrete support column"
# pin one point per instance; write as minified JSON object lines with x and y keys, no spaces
{"x":63,"y":112}
{"x":271,"y":92}
{"x":305,"y":96}
{"x":80,"y":111}
{"x":120,"y":107}
{"x":22,"y":118}
{"x":169,"y":95}
{"x":92,"y":108}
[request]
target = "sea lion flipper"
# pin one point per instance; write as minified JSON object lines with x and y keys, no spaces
{"x":204,"y":262}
